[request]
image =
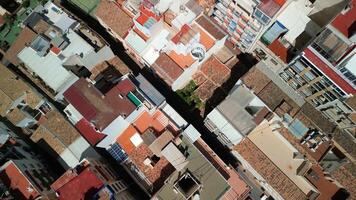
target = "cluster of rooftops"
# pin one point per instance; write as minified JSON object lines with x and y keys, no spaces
{"x":278,"y":137}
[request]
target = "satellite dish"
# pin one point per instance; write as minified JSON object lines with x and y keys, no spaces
{"x":198,"y":52}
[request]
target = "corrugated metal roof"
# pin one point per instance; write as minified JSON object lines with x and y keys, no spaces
{"x":152,"y":93}
{"x":177,"y":119}
{"x":225,"y":127}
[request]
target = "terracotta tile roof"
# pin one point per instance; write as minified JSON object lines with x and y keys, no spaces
{"x":5,"y":103}
{"x":217,"y":72}
{"x":211,"y":27}
{"x":15,"y":116}
{"x":11,"y":85}
{"x":266,"y":168}
{"x":115,"y":62}
{"x":272,"y":101}
{"x":351,"y":102}
{"x":55,"y":132}
{"x":345,"y":23}
{"x":97,"y":107}
{"x":114,"y":17}
{"x":346,"y":141}
{"x":83,"y":186}
{"x":346,"y":176}
{"x":13,"y":88}
{"x":20,"y":186}
{"x":145,"y":121}
{"x":206,"y":90}
{"x":57,"y":125}
{"x":317,"y":118}
{"x":88,"y":132}
{"x":124,"y":139}
{"x":65,"y":178}
{"x":206,"y":40}
{"x":160,"y":171}
{"x":184,"y":61}
{"x":323,"y":67}
{"x":199,"y":78}
{"x":167,"y":69}
{"x":32,"y":99}
{"x":181,"y":34}
{"x":326,"y":188}
{"x":25,"y":37}
{"x":255,"y":80}
{"x":45,"y":139}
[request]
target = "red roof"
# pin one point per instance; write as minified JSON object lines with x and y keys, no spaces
{"x":336,"y":78}
{"x":64,"y":179}
{"x":185,"y":28}
{"x":20,"y":186}
{"x":270,"y":7}
{"x":75,"y":96}
{"x":281,"y":51}
{"x":88,"y":131}
{"x":345,"y":23}
{"x":99,"y":108}
{"x":55,"y":50}
{"x":145,"y":14}
{"x":83,"y":186}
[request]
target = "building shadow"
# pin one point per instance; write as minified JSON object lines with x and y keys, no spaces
{"x":246,"y":62}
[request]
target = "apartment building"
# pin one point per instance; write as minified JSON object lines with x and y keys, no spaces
{"x":294,"y":28}
{"x":328,"y":148}
{"x":323,"y":74}
{"x":245,"y":20}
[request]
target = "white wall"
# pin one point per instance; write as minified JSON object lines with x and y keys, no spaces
{"x":188,"y":73}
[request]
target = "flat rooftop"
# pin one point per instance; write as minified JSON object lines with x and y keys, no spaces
{"x":212,"y":184}
{"x":281,"y":153}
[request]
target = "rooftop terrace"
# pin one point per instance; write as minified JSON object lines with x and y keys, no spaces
{"x":198,"y":177}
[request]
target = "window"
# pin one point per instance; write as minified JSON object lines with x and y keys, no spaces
{"x":260,"y":16}
{"x":330,"y":46}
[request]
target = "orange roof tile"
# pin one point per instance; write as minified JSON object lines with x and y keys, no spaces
{"x":184,"y":61}
{"x":124,"y":139}
{"x":146,"y":121}
{"x":14,"y":179}
{"x":206,"y":40}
